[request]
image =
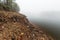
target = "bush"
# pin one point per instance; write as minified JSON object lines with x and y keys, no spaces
{"x":9,"y":6}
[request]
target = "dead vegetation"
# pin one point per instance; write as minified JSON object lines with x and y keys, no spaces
{"x":15,"y":26}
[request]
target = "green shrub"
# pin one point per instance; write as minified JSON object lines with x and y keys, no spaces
{"x":9,"y":5}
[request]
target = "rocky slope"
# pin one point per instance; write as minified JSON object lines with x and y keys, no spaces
{"x":15,"y":26}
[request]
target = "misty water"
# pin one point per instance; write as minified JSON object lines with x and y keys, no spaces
{"x":50,"y":21}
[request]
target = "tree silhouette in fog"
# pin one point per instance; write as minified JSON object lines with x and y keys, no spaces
{"x":8,"y":5}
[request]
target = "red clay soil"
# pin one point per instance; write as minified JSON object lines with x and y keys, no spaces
{"x":15,"y":26}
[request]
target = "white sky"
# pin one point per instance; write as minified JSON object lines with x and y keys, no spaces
{"x":39,"y":5}
{"x":33,"y":8}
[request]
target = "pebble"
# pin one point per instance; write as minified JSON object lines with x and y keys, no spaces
{"x":29,"y":36}
{"x":2,"y":26}
{"x":33,"y":34}
{"x":22,"y":33}
{"x":27,"y":26}
{"x":42,"y":38}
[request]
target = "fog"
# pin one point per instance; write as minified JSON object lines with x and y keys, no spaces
{"x":43,"y":12}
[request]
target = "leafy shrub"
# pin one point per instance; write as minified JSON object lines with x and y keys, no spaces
{"x":9,"y":5}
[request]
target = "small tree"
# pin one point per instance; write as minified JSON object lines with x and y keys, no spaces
{"x":15,"y":7}
{"x":9,"y":5}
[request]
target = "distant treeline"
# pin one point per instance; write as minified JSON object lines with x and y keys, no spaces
{"x":8,"y":5}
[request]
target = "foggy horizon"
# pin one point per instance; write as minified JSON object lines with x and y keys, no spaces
{"x":42,"y":12}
